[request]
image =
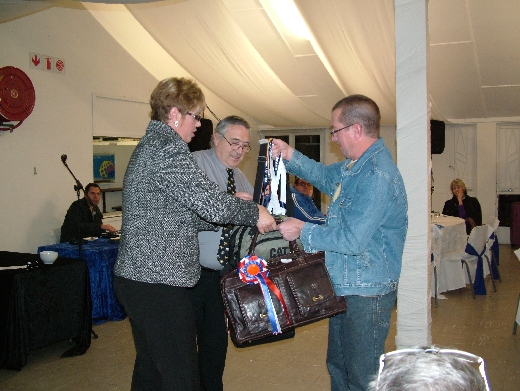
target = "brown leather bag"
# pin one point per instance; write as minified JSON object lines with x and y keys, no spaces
{"x":306,"y":288}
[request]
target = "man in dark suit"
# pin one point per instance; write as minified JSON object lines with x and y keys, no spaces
{"x":84,"y":218}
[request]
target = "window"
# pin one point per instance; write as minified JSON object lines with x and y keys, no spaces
{"x":508,"y":156}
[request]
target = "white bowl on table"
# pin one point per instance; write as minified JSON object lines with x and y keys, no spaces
{"x":48,"y":257}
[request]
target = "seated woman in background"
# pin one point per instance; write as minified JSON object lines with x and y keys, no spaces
{"x":463,"y":206}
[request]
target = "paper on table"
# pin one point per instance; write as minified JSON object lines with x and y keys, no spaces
{"x":13,"y":267}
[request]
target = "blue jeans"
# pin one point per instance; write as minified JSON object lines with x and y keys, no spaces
{"x":357,"y":340}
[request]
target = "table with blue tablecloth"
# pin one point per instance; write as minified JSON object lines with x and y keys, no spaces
{"x":101,"y":255}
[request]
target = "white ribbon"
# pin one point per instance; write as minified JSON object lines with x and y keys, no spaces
{"x":278,"y":181}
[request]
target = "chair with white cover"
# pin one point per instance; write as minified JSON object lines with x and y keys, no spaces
{"x":435,"y":283}
{"x":492,"y":249}
{"x":476,"y":252}
{"x":517,"y":319}
{"x":473,"y":260}
{"x":448,"y":242}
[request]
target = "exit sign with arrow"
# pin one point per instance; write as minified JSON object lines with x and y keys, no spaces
{"x":47,"y":63}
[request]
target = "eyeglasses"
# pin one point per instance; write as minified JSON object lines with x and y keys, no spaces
{"x":334,"y":131}
{"x":236,"y":145}
{"x":459,"y":354}
{"x":196,"y":116}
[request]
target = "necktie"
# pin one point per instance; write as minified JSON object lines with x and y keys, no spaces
{"x":223,"y":248}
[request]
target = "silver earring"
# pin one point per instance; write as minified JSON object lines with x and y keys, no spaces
{"x":176,"y":123}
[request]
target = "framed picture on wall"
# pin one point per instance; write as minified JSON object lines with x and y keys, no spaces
{"x":104,"y":168}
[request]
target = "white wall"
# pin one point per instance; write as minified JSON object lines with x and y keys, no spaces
{"x":32,"y":204}
{"x":487,"y":170}
{"x":486,"y":189}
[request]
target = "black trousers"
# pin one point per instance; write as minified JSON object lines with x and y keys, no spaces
{"x":163,"y":327}
{"x":212,"y":337}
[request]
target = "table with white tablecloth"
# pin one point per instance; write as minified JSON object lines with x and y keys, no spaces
{"x":448,"y":236}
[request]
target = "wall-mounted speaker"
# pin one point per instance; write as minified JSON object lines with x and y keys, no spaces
{"x":438,"y":136}
{"x":202,"y":138}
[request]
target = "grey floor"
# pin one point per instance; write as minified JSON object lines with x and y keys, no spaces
{"x":482,"y":326}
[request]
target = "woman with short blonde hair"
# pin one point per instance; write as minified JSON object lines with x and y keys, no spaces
{"x":167,"y":200}
{"x":463,"y":206}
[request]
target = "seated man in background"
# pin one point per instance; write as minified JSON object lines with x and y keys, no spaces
{"x":304,"y":208}
{"x":83,"y":218}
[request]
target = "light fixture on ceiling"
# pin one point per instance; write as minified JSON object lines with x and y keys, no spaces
{"x":284,"y":13}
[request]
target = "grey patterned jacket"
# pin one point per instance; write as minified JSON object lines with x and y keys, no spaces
{"x":167,"y":199}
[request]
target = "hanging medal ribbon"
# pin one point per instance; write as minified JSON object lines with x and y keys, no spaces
{"x":278,"y":176}
{"x":253,"y":270}
{"x":266,"y":184}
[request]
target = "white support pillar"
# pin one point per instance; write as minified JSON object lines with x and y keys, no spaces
{"x":413,"y":160}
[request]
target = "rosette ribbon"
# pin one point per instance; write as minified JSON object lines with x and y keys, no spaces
{"x":253,"y":270}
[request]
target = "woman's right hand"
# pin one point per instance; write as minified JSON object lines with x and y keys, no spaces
{"x":244,"y":196}
{"x":108,"y":227}
{"x":265,"y":221}
{"x":459,"y":193}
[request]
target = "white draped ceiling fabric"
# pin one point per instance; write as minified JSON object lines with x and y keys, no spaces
{"x":240,"y":51}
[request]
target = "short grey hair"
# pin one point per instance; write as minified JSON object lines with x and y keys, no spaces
{"x":428,"y":372}
{"x":360,"y":109}
{"x":223,"y":124}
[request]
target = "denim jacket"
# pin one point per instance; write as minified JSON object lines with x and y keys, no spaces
{"x":363,"y":237}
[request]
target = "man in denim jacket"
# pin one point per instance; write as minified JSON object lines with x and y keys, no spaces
{"x":363,"y":237}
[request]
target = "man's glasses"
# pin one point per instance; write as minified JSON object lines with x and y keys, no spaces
{"x":334,"y":131}
{"x":236,"y":145}
{"x":196,"y":116}
{"x":459,"y":354}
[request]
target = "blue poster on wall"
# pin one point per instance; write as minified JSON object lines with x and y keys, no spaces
{"x":104,"y":168}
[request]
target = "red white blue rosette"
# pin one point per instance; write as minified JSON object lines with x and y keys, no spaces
{"x":253,"y":270}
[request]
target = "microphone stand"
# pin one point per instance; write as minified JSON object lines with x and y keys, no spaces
{"x":77,"y":188}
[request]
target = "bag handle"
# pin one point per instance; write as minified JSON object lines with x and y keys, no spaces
{"x":293,"y":246}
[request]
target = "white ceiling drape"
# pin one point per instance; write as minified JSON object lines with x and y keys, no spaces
{"x":241,"y":52}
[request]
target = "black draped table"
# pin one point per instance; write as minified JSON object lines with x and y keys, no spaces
{"x":101,"y":255}
{"x":41,"y":306}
